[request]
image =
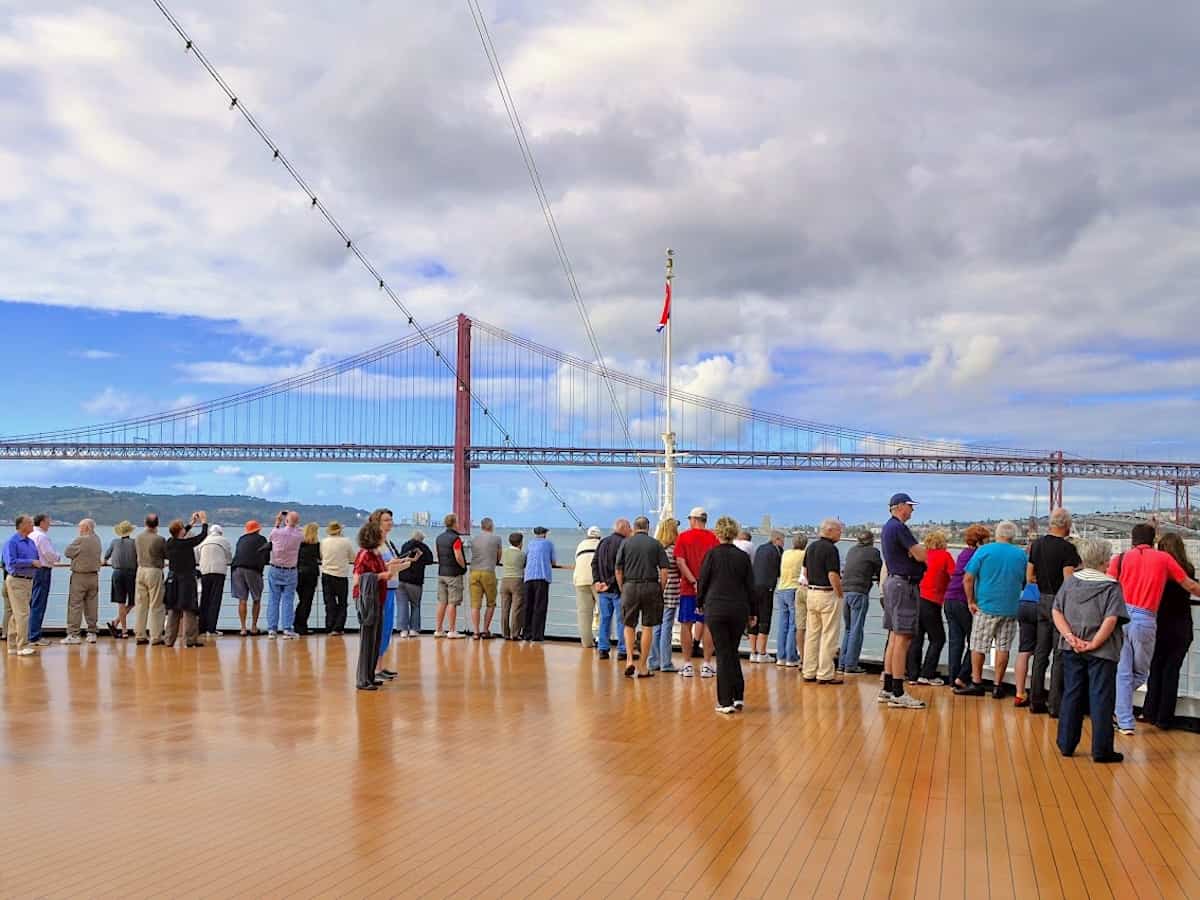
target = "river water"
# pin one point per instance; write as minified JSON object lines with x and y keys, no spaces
{"x":561,"y":621}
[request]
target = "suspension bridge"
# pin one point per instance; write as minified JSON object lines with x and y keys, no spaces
{"x":509,"y":401}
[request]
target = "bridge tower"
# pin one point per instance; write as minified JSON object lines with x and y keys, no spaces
{"x":1183,"y":501}
{"x":1056,"y":481}
{"x":462,"y":426}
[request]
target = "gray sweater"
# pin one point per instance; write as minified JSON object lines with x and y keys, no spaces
{"x":1086,"y":599}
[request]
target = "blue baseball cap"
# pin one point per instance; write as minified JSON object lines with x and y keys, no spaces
{"x":897,"y":499}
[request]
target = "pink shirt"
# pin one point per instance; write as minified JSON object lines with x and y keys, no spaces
{"x":1144,"y":574}
{"x":285,"y":546}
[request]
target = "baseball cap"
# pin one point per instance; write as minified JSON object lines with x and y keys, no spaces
{"x":540,"y":529}
{"x":897,"y":499}
{"x":252,"y":526}
{"x":698,"y":512}
{"x":594,"y":531}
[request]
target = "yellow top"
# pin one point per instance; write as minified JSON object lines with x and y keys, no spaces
{"x":789,"y":570}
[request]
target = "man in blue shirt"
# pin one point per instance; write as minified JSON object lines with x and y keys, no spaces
{"x":21,"y":562}
{"x":539,"y":563}
{"x":993,"y":582}
{"x":904,"y":557}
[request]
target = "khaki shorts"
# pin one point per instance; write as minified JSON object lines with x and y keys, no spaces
{"x":450,"y":589}
{"x":482,"y":584}
{"x":801,"y":608}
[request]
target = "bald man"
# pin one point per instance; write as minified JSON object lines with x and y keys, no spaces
{"x":83,"y":596}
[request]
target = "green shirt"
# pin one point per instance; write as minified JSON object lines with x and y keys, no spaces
{"x":512,"y":562}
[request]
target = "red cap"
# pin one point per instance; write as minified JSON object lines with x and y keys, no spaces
{"x":252,"y":527}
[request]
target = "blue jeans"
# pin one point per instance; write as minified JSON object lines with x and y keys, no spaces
{"x":610,"y":610}
{"x":660,"y":647}
{"x":854,"y":619}
{"x":1134,"y":668}
{"x":785,"y":626}
{"x":1098,"y":678}
{"x":280,"y":604}
{"x":408,"y":607}
{"x":38,"y":601}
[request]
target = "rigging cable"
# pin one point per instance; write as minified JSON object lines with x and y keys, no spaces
{"x":315,"y":203}
{"x":560,"y":248}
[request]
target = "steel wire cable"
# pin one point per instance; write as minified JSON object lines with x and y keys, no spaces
{"x":560,"y":247}
{"x":315,"y":202}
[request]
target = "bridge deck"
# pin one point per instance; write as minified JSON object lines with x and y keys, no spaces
{"x":254,"y":769}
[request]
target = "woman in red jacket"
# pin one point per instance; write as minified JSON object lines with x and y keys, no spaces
{"x":939,"y":566}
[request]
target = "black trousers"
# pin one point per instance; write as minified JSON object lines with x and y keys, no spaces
{"x":958,"y":617}
{"x":306,"y":587}
{"x":1097,"y":679}
{"x":370,"y":619}
{"x":1047,"y":636}
{"x":211,"y":589}
{"x":1162,"y":690}
{"x":727,"y":636}
{"x":336,"y":592}
{"x":537,"y":605}
{"x":764,"y":606}
{"x":929,"y":623}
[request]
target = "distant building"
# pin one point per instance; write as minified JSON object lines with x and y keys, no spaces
{"x":422,"y":519}
{"x":766,"y":526}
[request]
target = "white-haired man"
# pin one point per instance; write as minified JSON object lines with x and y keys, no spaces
{"x":823,"y":571}
{"x":83,"y":597}
{"x":1052,"y":560}
{"x":993,"y":581}
{"x":690,"y":549}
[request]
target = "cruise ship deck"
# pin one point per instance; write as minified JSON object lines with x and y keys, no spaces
{"x":490,"y":769}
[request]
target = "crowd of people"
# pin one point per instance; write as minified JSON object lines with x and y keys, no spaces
{"x":1095,"y":626}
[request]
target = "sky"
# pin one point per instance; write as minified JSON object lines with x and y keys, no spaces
{"x":966,"y":221}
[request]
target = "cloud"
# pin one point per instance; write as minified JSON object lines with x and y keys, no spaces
{"x":110,"y":403}
{"x":423,"y":488}
{"x":227,"y":471}
{"x":937,"y":237}
{"x":96,"y":354}
{"x":269,"y":486}
{"x":522,"y":500}
{"x":361,"y":483}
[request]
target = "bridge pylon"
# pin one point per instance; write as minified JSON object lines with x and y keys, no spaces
{"x":462,"y":426}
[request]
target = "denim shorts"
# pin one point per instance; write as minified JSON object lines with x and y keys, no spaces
{"x":687,"y":609}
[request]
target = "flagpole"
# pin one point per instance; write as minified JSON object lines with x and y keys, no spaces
{"x":666,"y":504}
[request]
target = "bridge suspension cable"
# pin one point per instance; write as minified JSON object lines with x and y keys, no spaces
{"x":560,"y":247}
{"x":236,"y":104}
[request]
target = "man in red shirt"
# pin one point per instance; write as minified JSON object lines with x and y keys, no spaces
{"x":1143,"y":573}
{"x":690,"y":549}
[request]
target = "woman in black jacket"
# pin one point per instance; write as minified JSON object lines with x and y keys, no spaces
{"x":181,"y":597}
{"x":1172,"y":642}
{"x":725,"y":592}
{"x":308,"y":573}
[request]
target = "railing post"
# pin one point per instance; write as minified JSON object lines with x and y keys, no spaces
{"x":462,"y":426}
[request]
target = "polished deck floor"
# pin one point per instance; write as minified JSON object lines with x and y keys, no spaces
{"x":253,"y":769}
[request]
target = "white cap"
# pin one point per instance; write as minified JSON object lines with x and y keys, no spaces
{"x":594,"y":531}
{"x":698,"y":512}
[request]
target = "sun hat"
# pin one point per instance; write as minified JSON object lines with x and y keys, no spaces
{"x":252,"y":526}
{"x":594,"y":531}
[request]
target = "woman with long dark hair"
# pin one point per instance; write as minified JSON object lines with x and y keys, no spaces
{"x":1172,"y":642}
{"x":725,"y":592}
{"x":308,"y":573}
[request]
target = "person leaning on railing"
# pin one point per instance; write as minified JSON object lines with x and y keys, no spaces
{"x":21,"y":563}
{"x":180,"y":595}
{"x":724,"y":594}
{"x":337,"y":559}
{"x":83,"y":597}
{"x":122,"y":556}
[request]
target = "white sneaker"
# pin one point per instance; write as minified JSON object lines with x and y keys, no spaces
{"x":454,"y":636}
{"x":932,"y":682}
{"x":687,"y":671}
{"x":215,"y":634}
{"x":40,"y":642}
{"x":782,"y":663}
{"x":71,"y":639}
{"x":792,"y":663}
{"x":727,"y":710}
{"x":289,"y":636}
{"x":271,"y":635}
{"x":439,"y":634}
{"x":26,"y":651}
{"x":753,"y":657}
{"x":91,"y":638}
{"x":708,"y":672}
{"x":885,"y":696}
{"x":906,"y":701}
{"x":766,"y":658}
{"x":739,"y":705}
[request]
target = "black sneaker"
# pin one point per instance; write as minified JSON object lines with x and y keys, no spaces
{"x":622,"y":655}
{"x":604,"y":654}
{"x":975,"y":690}
{"x":1109,"y":758}
{"x":141,"y":641}
{"x":998,"y":692}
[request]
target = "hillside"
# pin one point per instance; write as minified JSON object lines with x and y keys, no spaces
{"x":70,"y":504}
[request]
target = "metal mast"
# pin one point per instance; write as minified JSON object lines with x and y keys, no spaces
{"x":666,"y":475}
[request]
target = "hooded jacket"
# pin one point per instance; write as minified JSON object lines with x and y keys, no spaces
{"x":215,"y":554}
{"x":1086,"y":599}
